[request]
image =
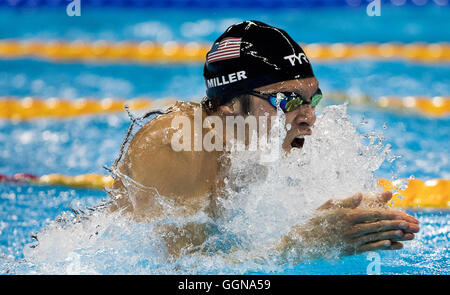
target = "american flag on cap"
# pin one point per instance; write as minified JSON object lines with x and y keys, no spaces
{"x":226,"y":49}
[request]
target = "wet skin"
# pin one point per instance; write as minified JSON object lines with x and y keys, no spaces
{"x":194,"y":179}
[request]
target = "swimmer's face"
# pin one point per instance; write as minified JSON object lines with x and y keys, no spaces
{"x":301,"y":119}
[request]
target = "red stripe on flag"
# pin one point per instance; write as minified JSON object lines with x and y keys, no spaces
{"x":228,"y":48}
{"x":223,"y":57}
{"x":223,"y":51}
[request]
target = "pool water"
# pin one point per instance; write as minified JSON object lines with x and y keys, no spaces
{"x":26,"y":209}
{"x":85,"y":144}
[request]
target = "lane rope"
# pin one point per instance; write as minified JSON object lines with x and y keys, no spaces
{"x":13,"y":108}
{"x":194,"y":52}
{"x":434,"y":193}
{"x":436,"y":106}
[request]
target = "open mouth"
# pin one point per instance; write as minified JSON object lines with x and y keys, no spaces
{"x":298,"y":142}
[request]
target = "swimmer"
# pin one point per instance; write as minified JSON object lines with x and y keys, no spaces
{"x":251,"y":69}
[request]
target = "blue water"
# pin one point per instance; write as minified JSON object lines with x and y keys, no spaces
{"x":25,"y":209}
{"x":404,"y":24}
{"x":83,"y":145}
{"x":423,"y":145}
{"x":73,"y":80}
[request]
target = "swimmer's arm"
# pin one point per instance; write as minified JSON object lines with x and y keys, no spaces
{"x":179,"y":240}
{"x":120,"y":200}
{"x":353,"y":230}
{"x":183,"y":240}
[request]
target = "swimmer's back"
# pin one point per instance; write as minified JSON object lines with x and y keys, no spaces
{"x":183,"y":176}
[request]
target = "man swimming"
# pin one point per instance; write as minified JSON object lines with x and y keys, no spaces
{"x":252,"y":70}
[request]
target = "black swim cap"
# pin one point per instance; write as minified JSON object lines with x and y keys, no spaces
{"x":249,"y":55}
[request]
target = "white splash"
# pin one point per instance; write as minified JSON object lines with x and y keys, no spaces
{"x":333,"y":164}
{"x":265,"y":199}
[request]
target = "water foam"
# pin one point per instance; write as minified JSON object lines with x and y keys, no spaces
{"x":264,"y":200}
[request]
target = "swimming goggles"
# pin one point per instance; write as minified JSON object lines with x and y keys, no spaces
{"x":289,"y":101}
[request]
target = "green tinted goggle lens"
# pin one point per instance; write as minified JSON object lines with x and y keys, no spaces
{"x":290,"y":101}
{"x":293,"y":101}
{"x":317,"y":97}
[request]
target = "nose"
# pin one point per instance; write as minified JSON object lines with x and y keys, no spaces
{"x":304,"y":116}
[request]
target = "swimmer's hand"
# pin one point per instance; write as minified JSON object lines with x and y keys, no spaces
{"x":359,"y":200}
{"x":352,"y":226}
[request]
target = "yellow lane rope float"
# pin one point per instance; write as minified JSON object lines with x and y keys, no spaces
{"x":28,"y":108}
{"x":420,"y":194}
{"x":430,"y":106}
{"x":433,"y":193}
{"x":14,"y":108}
{"x":150,"y":52}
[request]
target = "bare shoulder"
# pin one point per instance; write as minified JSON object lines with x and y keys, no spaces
{"x":159,"y":130}
{"x":151,"y":160}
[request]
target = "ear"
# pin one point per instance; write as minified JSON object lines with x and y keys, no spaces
{"x":228,"y":109}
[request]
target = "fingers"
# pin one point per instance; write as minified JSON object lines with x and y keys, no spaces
{"x":379,"y":245}
{"x":381,"y":226}
{"x":392,"y":235}
{"x":384,"y":197}
{"x":395,"y":246}
{"x":408,"y":237}
{"x":355,"y":200}
{"x":329,"y":204}
{"x":350,"y":203}
{"x":371,"y":215}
